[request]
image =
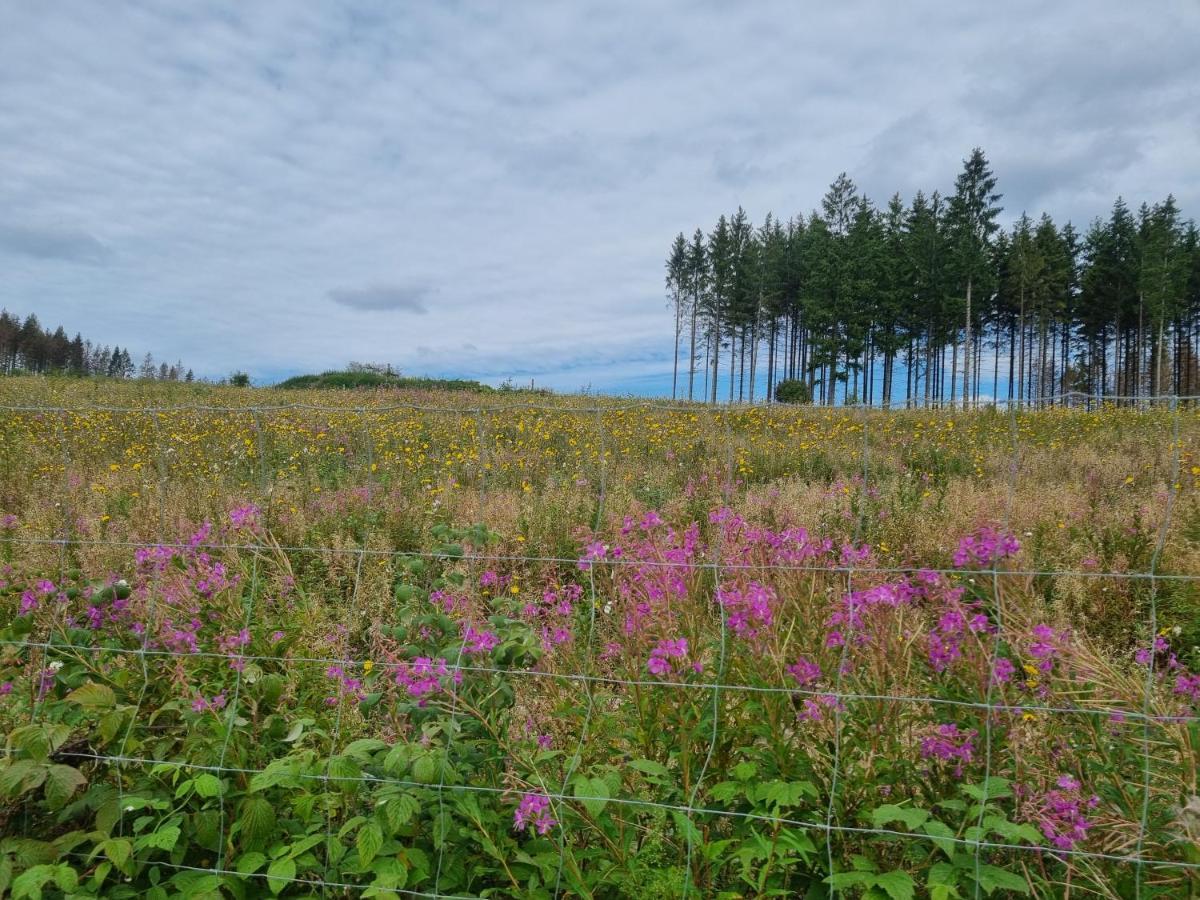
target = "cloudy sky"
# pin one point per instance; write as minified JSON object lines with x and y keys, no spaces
{"x":489,"y":190}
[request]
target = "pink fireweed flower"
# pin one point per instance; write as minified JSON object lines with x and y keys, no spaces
{"x":29,"y":603}
{"x":200,"y":704}
{"x":592,"y":552}
{"x":6,"y":688}
{"x":1002,"y":670}
{"x":245,"y":516}
{"x":948,"y":743}
{"x":1046,"y":646}
{"x":1188,"y":686}
{"x":815,"y":708}
{"x":534,"y":809}
{"x":424,"y":676}
{"x":984,"y":548}
{"x":667,"y":649}
{"x":750,"y":610}
{"x":805,"y":671}
{"x":650,"y":521}
{"x":446,"y":601}
{"x":1061,"y":813}
{"x":478,"y":641}
{"x":1144,"y":655}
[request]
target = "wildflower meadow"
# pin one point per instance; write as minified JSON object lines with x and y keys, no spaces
{"x":297,"y":643}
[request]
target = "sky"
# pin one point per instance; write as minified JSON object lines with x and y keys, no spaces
{"x":489,"y":190}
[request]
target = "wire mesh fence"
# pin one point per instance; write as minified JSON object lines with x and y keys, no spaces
{"x":464,"y":650}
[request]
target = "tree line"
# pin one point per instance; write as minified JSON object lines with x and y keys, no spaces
{"x":26,"y":347}
{"x":932,"y":302}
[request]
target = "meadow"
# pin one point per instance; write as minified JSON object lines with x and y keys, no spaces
{"x":313,"y":643}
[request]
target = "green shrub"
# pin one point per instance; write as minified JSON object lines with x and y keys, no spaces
{"x":793,"y":390}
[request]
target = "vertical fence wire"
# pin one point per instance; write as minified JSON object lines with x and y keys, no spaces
{"x":1014,"y":468}
{"x":593,"y":602}
{"x":1160,"y":542}
{"x":718,"y":540}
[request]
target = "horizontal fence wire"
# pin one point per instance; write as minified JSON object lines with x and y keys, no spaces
{"x":45,"y":646}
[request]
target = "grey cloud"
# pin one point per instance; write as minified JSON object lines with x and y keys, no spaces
{"x":384,"y":298}
{"x":532,"y":162}
{"x":66,"y":244}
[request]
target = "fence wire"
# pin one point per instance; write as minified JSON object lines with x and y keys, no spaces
{"x":719,"y":696}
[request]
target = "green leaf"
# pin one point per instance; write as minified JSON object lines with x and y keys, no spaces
{"x":898,"y":884}
{"x":424,"y":770}
{"x":280,"y":873}
{"x":93,"y":696}
{"x":249,"y":863}
{"x":399,"y":809}
{"x":744,"y":771}
{"x":33,"y":741}
{"x":164,"y":838}
{"x":345,"y":773}
{"x":649,"y":767}
{"x":992,"y":877}
{"x":596,"y":789}
{"x":368,"y":842}
{"x":208,"y":785}
{"x":943,"y":836}
{"x":912,"y":817}
{"x":118,"y":850}
{"x":849,"y":879}
{"x":995,"y":788}
{"x":363,"y":748}
{"x":257,"y":820}
{"x":20,"y":777}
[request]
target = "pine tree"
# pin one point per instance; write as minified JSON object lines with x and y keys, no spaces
{"x":972,"y":222}
{"x":677,"y":290}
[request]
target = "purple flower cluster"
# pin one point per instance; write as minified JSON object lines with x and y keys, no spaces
{"x":666,"y":650}
{"x":956,"y":623}
{"x":985,"y":548}
{"x":1061,"y":813}
{"x":553,"y":615}
{"x":346,"y":686}
{"x":200,"y":704}
{"x":246,"y":517}
{"x":814,"y":708}
{"x":750,"y":610}
{"x":423,"y":677}
{"x":851,"y":612}
{"x":534,"y":809}
{"x":949,"y":743}
{"x":805,"y":671}
{"x":476,"y":642}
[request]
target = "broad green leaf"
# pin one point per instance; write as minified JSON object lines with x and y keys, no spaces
{"x":208,"y":785}
{"x":249,"y":862}
{"x":61,"y":784}
{"x":596,"y":790}
{"x":93,"y":696}
{"x":399,"y":809}
{"x":992,"y":877}
{"x":257,"y":821}
{"x":368,"y":842}
{"x":649,"y":767}
{"x":280,"y":873}
{"x":33,"y":741}
{"x":898,"y":884}
{"x":912,"y":817}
